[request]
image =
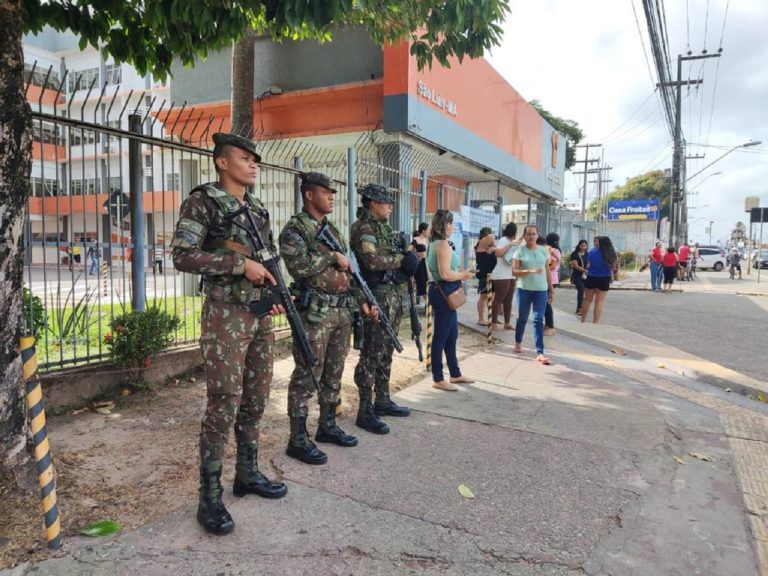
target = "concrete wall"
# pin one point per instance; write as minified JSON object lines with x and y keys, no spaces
{"x":289,"y":65}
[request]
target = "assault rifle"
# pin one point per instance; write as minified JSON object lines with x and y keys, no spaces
{"x":279,"y":293}
{"x":326,"y":237}
{"x":415,"y":324}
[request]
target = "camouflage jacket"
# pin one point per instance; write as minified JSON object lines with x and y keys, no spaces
{"x":201,"y":221}
{"x":373,"y":243}
{"x":310,"y":262}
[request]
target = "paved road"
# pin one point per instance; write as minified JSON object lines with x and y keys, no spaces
{"x":727,"y":329}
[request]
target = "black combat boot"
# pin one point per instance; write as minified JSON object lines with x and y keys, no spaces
{"x":389,"y":408}
{"x":248,"y":479}
{"x":367,"y":419}
{"x":211,"y":513}
{"x":383,"y":406}
{"x":328,"y":431}
{"x":300,"y":446}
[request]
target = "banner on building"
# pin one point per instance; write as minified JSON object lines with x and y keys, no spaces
{"x":473,"y":219}
{"x":633,"y":210}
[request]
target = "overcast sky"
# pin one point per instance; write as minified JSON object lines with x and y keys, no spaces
{"x":585,"y":61}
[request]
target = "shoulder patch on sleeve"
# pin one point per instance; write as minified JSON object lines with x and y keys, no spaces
{"x":291,"y":243}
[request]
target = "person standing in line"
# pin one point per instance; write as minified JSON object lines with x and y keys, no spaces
{"x":385,"y":269}
{"x":325,"y":300}
{"x":553,"y":241}
{"x":657,"y":266}
{"x":670,"y":262}
{"x":419,"y":246}
{"x":531,"y":264}
{"x":683,"y":255}
{"x":503,"y":278}
{"x":443,"y":264}
{"x":76,"y":254}
{"x":93,"y":256}
{"x":579,"y":264}
{"x":237,"y":347}
{"x":485,"y":260}
{"x":158,"y":255}
{"x":603,"y":262}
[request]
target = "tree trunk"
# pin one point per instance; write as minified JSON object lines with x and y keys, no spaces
{"x":15,"y":166}
{"x":242,"y":85}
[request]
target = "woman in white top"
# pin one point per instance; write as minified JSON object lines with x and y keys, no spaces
{"x":503,"y":279}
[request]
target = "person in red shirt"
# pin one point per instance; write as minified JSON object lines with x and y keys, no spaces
{"x":657,"y":267}
{"x":670,"y":261}
{"x":685,"y":251}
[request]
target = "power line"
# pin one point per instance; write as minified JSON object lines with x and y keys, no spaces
{"x":631,"y":116}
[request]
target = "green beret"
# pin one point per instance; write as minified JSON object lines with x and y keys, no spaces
{"x":220,"y":139}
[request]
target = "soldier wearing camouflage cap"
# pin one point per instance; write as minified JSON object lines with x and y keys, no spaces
{"x":384,"y":267}
{"x":237,"y":347}
{"x":325,"y":299}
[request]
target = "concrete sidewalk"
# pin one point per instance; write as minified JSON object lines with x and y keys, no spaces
{"x":599,"y":464}
{"x":707,"y":281}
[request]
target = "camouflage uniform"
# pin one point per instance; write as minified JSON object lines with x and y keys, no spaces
{"x":237,"y":347}
{"x":373,"y":243}
{"x":324,"y":300}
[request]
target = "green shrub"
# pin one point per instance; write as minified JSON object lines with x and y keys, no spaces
{"x":137,"y":337}
{"x":34,"y":314}
{"x":627,"y":258}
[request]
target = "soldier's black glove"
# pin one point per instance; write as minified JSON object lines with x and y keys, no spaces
{"x":409,"y":264}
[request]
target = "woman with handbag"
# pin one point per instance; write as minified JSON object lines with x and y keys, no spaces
{"x":579,"y":264}
{"x":534,"y":290}
{"x":446,"y":295}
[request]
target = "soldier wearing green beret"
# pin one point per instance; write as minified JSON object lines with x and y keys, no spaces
{"x":384,"y":267}
{"x":237,"y":347}
{"x":326,"y":300}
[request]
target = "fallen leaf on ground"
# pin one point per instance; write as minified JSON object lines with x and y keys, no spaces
{"x":618,"y":351}
{"x":193,"y":380}
{"x":661,"y":365}
{"x":679,"y":460}
{"x":703,"y":457}
{"x":727,"y":390}
{"x":103,"y":528}
{"x":104,"y":410}
{"x":125,"y":392}
{"x":465,"y":491}
{"x":681,"y":373}
{"x":104,"y":404}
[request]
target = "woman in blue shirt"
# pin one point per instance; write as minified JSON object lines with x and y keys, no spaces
{"x":443,"y":266}
{"x":534,"y":289}
{"x":602,"y":268}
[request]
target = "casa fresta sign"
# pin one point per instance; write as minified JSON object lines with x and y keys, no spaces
{"x":619,"y":210}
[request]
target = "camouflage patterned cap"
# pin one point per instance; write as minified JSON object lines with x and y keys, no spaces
{"x":220,"y":139}
{"x":377,"y":193}
{"x":316,"y":179}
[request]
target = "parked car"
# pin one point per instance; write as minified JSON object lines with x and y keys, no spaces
{"x":710,"y":257}
{"x":760,"y":258}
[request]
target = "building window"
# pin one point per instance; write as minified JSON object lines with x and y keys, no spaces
{"x":149,"y":183}
{"x":78,"y":136}
{"x":47,"y":133}
{"x":84,"y":186}
{"x":172,"y":181}
{"x":38,"y":77}
{"x":82,"y":79}
{"x":40,"y":187}
{"x":52,"y":237}
{"x":113,"y":74}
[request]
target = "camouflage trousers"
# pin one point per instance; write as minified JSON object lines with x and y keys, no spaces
{"x":237,"y":351}
{"x":329,"y":340}
{"x":375,"y":364}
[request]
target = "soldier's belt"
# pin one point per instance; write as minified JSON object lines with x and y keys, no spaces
{"x":212,"y":244}
{"x":231,"y":293}
{"x":330,"y":300}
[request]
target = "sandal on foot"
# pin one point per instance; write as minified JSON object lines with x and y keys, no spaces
{"x":461,"y":380}
{"x":443,"y":385}
{"x":508,"y":327}
{"x":541,"y":359}
{"x":517,"y":349}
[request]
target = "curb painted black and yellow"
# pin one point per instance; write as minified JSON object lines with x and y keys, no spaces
{"x":43,"y":460}
{"x":428,"y":355}
{"x":489,"y":305}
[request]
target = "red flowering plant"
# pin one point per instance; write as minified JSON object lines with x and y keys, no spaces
{"x":137,"y":337}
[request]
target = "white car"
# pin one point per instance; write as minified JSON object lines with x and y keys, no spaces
{"x":710,"y":258}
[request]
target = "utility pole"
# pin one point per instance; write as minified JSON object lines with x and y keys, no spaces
{"x":601,"y":192}
{"x":676,"y":192}
{"x":586,"y":163}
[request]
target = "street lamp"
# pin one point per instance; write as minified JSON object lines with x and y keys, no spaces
{"x":710,"y":231}
{"x":690,"y":192}
{"x":745,"y":145}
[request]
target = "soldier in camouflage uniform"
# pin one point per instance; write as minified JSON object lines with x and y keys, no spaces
{"x":325,"y":301}
{"x":384,"y":267}
{"x":237,"y":346}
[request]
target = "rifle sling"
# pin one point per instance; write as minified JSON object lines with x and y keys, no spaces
{"x":212,"y":244}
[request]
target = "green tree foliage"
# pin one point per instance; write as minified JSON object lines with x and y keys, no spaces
{"x":654,"y":185}
{"x":150,"y":33}
{"x":568,"y":128}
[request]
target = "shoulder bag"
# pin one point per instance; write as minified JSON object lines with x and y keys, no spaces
{"x":455,"y":299}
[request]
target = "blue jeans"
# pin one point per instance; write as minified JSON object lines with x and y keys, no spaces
{"x":526,"y":299}
{"x":94,"y":266}
{"x":656,"y":272}
{"x":445,"y":333}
